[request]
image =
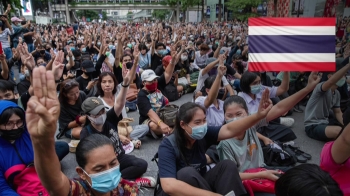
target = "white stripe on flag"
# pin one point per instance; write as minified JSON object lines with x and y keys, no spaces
{"x":291,"y":57}
{"x":291,"y":30}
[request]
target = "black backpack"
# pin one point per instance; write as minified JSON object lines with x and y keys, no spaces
{"x":170,"y":91}
{"x":278,"y":157}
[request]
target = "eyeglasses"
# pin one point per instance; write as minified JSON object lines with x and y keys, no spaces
{"x":10,"y":125}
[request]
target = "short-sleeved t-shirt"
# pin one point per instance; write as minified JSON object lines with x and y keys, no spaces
{"x":319,"y":105}
{"x":169,"y":164}
{"x":155,"y":61}
{"x":339,"y":172}
{"x":69,"y":112}
{"x":202,"y":78}
{"x":215,"y":116}
{"x":246,"y":153}
{"x":109,"y":129}
{"x":147,"y":101}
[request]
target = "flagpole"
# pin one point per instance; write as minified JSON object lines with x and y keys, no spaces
{"x":298,"y":11}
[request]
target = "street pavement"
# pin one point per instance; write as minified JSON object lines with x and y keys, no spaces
{"x":150,"y":146}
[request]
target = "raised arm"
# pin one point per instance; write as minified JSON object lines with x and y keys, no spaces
{"x":214,"y":90}
{"x":335,"y":78}
{"x":41,"y":119}
{"x":5,"y":68}
{"x":174,"y":60}
{"x":284,"y":85}
{"x":341,"y":148}
{"x":286,"y":104}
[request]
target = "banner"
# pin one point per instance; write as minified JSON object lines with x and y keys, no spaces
{"x":291,"y":44}
{"x":27,"y":8}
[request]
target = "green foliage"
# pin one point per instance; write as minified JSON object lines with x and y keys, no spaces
{"x":104,"y":15}
{"x":183,"y":3}
{"x":160,"y":14}
{"x":14,"y":4}
{"x":242,"y":8}
{"x":88,"y":14}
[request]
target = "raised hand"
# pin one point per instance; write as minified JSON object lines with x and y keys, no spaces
{"x":265,"y":104}
{"x":314,"y":79}
{"x":58,"y":66}
{"x":29,"y":62}
{"x":43,"y":107}
{"x":222,"y":70}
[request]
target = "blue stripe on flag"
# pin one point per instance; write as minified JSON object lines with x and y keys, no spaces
{"x":291,"y":44}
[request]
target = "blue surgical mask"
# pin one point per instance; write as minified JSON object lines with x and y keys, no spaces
{"x":110,"y":47}
{"x":238,"y":51}
{"x":341,"y":82}
{"x":255,"y":89}
{"x":105,"y":181}
{"x":162,"y":52}
{"x":22,"y":77}
{"x":198,"y":132}
{"x":83,"y":49}
{"x":72,"y":48}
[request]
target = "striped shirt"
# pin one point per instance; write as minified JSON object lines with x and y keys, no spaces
{"x":4,"y":38}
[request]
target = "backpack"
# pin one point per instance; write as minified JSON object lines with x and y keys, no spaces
{"x":168,"y":114}
{"x":276,"y":155}
{"x":158,"y":188}
{"x":170,"y":92}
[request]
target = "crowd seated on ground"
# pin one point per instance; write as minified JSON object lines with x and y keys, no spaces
{"x":58,"y":84}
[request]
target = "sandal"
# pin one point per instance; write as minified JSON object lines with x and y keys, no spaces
{"x":137,"y":144}
{"x":297,"y":151}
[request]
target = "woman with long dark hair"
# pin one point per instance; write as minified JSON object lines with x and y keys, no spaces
{"x":182,"y":160}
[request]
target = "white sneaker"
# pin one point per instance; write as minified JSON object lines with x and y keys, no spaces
{"x":288,"y":122}
{"x":146,"y":182}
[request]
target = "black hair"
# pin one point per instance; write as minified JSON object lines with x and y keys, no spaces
{"x":246,"y":79}
{"x":240,"y":67}
{"x":6,"y":85}
{"x":143,"y":47}
{"x":159,"y":44}
{"x":65,"y":88}
{"x":185,"y":114}
{"x":237,"y":100}
{"x":7,"y":113}
{"x":306,"y":180}
{"x":100,"y":78}
{"x":214,"y":47}
{"x":208,"y":83}
{"x":89,"y":143}
{"x":125,"y":55}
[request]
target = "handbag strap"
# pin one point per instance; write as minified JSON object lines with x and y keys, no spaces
{"x":20,"y":157}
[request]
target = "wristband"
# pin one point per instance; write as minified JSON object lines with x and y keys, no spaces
{"x":126,"y":86}
{"x":77,"y":120}
{"x":159,"y":122}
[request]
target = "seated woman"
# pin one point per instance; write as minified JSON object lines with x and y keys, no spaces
{"x":306,"y":180}
{"x":182,"y":160}
{"x":71,"y":98}
{"x":244,"y":149}
{"x":150,"y":98}
{"x":18,"y":176}
{"x":335,"y":159}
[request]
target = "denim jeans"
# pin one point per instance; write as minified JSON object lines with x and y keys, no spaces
{"x":62,"y":149}
{"x":30,"y":47}
{"x":8,"y":53}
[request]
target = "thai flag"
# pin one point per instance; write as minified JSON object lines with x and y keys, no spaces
{"x":291,"y":44}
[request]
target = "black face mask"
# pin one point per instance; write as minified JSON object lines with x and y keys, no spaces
{"x":48,"y":49}
{"x":42,"y":51}
{"x":221,"y":94}
{"x":12,"y":134}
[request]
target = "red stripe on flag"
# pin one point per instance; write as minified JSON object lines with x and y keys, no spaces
{"x":291,"y":22}
{"x":293,"y":66}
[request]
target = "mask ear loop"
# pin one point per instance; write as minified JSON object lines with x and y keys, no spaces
{"x":87,"y":175}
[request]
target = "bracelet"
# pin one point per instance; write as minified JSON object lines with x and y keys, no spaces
{"x":77,"y":120}
{"x":159,"y":122}
{"x":125,"y":86}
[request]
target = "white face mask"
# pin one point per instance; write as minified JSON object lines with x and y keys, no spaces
{"x":26,"y":73}
{"x":99,"y":120}
{"x":184,"y":58}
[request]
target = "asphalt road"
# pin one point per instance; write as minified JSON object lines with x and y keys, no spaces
{"x":150,"y":146}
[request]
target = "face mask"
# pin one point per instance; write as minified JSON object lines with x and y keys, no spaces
{"x":198,"y":132}
{"x":110,"y":47}
{"x":221,"y":94}
{"x":341,"y":82}
{"x":230,"y":37}
{"x":105,"y":181}
{"x":43,"y":64}
{"x":210,"y":46}
{"x":133,"y":43}
{"x":108,"y":53}
{"x":255,"y":89}
{"x":152,"y":87}
{"x":162,"y":52}
{"x":98,"y":43}
{"x":42,"y":51}
{"x":217,"y":43}
{"x":48,"y":50}
{"x":83,"y":49}
{"x":12,"y":134}
{"x":99,"y":120}
{"x":184,"y":58}
{"x":72,"y":48}
{"x":26,"y":73}
{"x":238,"y":51}
{"x":22,"y":77}
{"x":67,"y":58}
{"x":233,"y":119}
{"x":129,"y":46}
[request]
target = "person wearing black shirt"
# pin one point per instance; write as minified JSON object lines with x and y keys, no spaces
{"x":86,"y":82}
{"x":158,"y":51}
{"x":23,"y":85}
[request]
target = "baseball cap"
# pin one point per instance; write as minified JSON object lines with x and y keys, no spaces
{"x":88,"y":66}
{"x":92,"y":105}
{"x":148,"y":75}
{"x":166,"y":60}
{"x":15,"y":19}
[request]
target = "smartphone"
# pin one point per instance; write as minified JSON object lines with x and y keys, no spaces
{"x":95,"y":79}
{"x":1,"y":52}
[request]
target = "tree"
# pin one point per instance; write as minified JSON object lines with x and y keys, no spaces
{"x":88,"y":14}
{"x":14,"y":4}
{"x":242,"y":8}
{"x":183,"y":3}
{"x":160,"y":14}
{"x":104,"y":15}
